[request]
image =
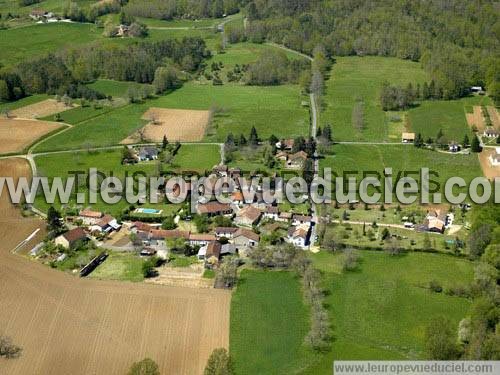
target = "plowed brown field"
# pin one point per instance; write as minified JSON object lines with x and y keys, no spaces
{"x":177,"y":124}
{"x":41,"y":109}
{"x":16,"y":135}
{"x":494,"y":116}
{"x":68,"y":325}
{"x":489,"y":171}
{"x":476,"y":118}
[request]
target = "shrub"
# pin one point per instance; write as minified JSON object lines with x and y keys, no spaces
{"x":435,"y":286}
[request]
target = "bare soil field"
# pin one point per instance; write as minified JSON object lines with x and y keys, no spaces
{"x":494,"y":116}
{"x":476,"y":118}
{"x":41,"y":109}
{"x":68,"y":325}
{"x":177,"y":124}
{"x":488,"y":171}
{"x":17,"y":134}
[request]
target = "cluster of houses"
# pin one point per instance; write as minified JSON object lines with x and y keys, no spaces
{"x":252,"y":212}
{"x":295,"y":160}
{"x":92,"y":223}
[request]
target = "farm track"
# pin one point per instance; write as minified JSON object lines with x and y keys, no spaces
{"x":80,"y":326}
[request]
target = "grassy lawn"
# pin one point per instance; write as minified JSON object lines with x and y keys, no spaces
{"x":448,"y":115}
{"x":381,"y":310}
{"x":197,"y":158}
{"x":360,"y":78}
{"x":357,"y":159}
{"x":120,"y":266}
{"x":268,"y":323}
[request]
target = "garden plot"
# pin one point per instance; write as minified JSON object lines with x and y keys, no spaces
{"x":176,"y":124}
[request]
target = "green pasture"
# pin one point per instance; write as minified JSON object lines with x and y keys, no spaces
{"x":268,"y":324}
{"x":380,"y":311}
{"x":354,"y":79}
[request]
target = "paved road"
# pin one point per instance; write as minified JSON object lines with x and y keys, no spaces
{"x":290,"y":50}
{"x":314,"y":125}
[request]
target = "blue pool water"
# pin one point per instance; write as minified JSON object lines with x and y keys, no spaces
{"x":149,"y":211}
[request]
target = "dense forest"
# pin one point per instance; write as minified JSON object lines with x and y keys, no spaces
{"x":457,"y":42}
{"x":141,"y":62}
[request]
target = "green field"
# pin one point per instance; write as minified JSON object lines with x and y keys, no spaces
{"x":32,"y":41}
{"x":246,"y":53}
{"x":357,"y":159}
{"x":95,"y":128}
{"x":240,"y":108}
{"x":58,"y":6}
{"x":360,"y":78}
{"x":38,"y":39}
{"x":116,"y":89}
{"x":197,"y":158}
{"x":78,"y":115}
{"x":268,"y":324}
{"x":381,"y":310}
{"x":272,"y":110}
{"x":120,"y":266}
{"x":447,"y":115}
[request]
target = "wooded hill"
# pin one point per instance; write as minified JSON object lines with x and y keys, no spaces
{"x":457,"y":41}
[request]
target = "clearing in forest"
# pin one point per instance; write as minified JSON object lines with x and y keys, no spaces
{"x":41,"y":109}
{"x":17,"y":134}
{"x":176,"y":124}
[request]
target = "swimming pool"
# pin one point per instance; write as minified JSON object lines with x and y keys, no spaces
{"x":150,"y":211}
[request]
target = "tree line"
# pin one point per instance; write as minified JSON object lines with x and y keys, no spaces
{"x":477,"y":336}
{"x":170,"y":9}
{"x":144,"y":62}
{"x":274,"y":68}
{"x":457,"y":42}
